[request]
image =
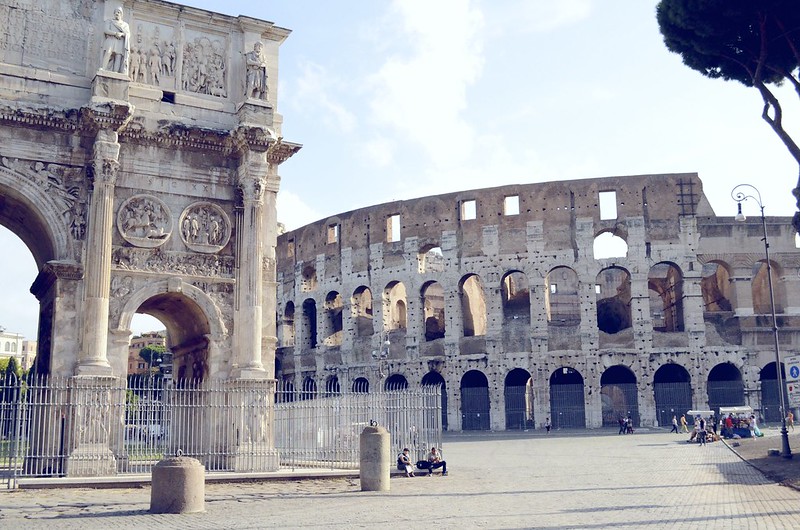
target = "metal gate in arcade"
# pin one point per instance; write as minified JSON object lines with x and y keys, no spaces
{"x":620,"y":396}
{"x":474,"y":402}
{"x":567,"y":402}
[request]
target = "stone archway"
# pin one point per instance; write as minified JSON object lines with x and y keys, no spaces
{"x":196,"y":330}
{"x":37,"y":207}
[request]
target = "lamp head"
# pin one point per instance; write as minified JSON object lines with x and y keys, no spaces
{"x":739,"y":215}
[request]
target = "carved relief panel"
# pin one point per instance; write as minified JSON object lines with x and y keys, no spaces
{"x":144,"y":221}
{"x":154,"y":54}
{"x":65,"y":184}
{"x":204,"y":67}
{"x":205,"y":227}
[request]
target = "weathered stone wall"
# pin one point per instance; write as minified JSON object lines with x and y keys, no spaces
{"x":568,"y":313}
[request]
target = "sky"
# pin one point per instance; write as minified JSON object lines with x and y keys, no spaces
{"x":407,"y":98}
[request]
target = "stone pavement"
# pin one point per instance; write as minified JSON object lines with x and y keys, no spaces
{"x":598,"y":480}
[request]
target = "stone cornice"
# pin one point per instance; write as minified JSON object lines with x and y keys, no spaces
{"x":108,"y":114}
{"x":39,"y":116}
{"x":118,"y":117}
{"x":178,"y":135}
{"x":282,"y":152}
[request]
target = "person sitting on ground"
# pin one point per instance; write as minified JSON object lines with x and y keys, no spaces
{"x":404,"y":463}
{"x":435,"y":462}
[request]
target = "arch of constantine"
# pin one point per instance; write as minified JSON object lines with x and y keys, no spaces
{"x":139,"y":152}
{"x":577,"y":301}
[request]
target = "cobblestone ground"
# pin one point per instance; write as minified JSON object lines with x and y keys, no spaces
{"x":654,"y":480}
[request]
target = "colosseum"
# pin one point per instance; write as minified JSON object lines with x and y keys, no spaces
{"x":576,"y":301}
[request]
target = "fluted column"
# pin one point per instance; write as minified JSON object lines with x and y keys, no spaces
{"x":252,"y":178}
{"x":93,"y":359}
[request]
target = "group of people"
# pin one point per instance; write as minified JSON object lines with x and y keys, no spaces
{"x":433,"y":461}
{"x":625,"y":425}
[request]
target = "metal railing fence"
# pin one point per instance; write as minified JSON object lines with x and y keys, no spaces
{"x":96,"y":426}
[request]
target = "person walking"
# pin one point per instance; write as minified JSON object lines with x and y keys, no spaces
{"x":674,"y":425}
{"x":622,"y":425}
{"x":790,"y":420}
{"x":684,"y":427}
{"x":548,"y":425}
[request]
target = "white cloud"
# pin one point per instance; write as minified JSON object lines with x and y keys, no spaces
{"x":506,"y":17}
{"x":312,"y":94}
{"x":377,"y":152}
{"x":420,"y":91}
{"x":293,"y":212}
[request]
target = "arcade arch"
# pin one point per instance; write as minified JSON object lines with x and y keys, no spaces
{"x":619,"y":395}
{"x":474,"y":401}
{"x":518,"y":396}
{"x":725,"y":386}
{"x":396,"y":382}
{"x":770,"y":397}
{"x":672,"y":389}
{"x":567,"y":401}
{"x":434,"y":378}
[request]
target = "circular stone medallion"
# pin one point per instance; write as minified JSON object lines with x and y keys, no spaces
{"x":205,"y":227}
{"x":144,"y":221}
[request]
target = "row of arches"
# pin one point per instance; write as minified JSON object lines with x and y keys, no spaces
{"x":562,"y":303}
{"x":619,"y":389}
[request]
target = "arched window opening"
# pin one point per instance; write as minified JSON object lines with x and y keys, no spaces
{"x":665,"y":284}
{"x":394,"y":300}
{"x":431,"y":260}
{"x":516,"y":295}
{"x":760,"y":289}
{"x":308,"y":280}
{"x":433,"y":311}
{"x":716,"y":287}
{"x":362,"y":312}
{"x":613,"y":292}
{"x":609,"y":245}
{"x":287,"y":326}
{"x":562,"y":302}
{"x":310,"y":322}
{"x":333,"y":320}
{"x":473,"y":306}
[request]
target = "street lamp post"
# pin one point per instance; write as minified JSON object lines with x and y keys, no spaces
{"x":741,"y":193}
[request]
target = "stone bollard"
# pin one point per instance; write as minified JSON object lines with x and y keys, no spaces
{"x":178,"y":486}
{"x":375,"y":460}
